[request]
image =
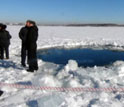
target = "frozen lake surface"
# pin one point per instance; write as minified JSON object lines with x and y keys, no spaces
{"x":55,"y":75}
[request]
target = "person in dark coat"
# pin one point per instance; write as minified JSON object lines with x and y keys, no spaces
{"x":23,"y":35}
{"x":4,"y":41}
{"x":7,"y":41}
{"x":31,"y":43}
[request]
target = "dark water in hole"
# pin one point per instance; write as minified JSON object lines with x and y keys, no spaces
{"x":84,"y":57}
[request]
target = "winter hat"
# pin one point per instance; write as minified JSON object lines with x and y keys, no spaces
{"x":4,"y":26}
{"x":32,"y":22}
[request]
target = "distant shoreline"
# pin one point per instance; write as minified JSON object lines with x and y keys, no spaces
{"x":97,"y":25}
{"x":74,"y":25}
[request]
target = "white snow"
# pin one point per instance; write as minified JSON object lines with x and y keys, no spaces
{"x":50,"y":74}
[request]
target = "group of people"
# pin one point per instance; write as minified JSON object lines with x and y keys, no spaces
{"x":4,"y":41}
{"x":28,"y":35}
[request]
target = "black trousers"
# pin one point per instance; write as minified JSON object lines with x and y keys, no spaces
{"x":6,"y":50}
{"x":23,"y":54}
{"x":32,"y":58}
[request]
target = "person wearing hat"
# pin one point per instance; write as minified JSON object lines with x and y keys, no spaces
{"x":6,"y":41}
{"x":31,"y":44}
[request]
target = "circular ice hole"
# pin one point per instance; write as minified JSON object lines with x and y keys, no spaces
{"x":84,"y":57}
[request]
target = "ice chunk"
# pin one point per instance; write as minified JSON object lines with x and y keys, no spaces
{"x":51,"y":101}
{"x":71,"y":66}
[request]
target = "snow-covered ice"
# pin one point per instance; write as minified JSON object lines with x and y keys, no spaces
{"x":70,"y":75}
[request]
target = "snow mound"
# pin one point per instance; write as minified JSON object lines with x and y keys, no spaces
{"x":71,"y":66}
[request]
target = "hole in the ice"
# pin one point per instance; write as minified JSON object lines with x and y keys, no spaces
{"x":84,"y":57}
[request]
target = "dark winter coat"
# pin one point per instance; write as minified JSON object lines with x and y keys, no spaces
{"x":32,"y":37}
{"x":23,"y":35}
{"x":4,"y":38}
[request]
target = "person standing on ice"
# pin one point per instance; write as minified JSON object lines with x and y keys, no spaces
{"x":23,"y":35}
{"x":6,"y":48}
{"x":31,"y":45}
{"x":4,"y":41}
